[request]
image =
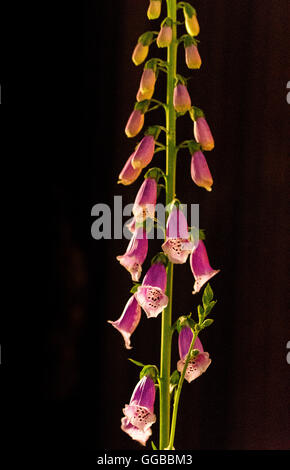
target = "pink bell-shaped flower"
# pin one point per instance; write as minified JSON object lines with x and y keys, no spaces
{"x":151,"y":294}
{"x":200,"y":266}
{"x":181,"y":99}
{"x":177,"y":245}
{"x":145,"y":201}
{"x":148,"y":79}
{"x":164,"y":37}
{"x":202,"y":133}
{"x":134,"y":123}
{"x":192,"y":57}
{"x":144,"y":152}
{"x":129,"y":174}
{"x":135,"y":254}
{"x":139,"y":414}
{"x":195,"y":366}
{"x":128,"y":321}
{"x":200,"y":171}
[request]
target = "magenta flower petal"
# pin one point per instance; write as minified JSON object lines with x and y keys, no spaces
{"x":138,"y":435}
{"x":144,"y":152}
{"x":156,"y":276}
{"x":202,"y":134}
{"x":135,"y":254}
{"x":151,"y":294}
{"x":177,"y":226}
{"x":128,"y":321}
{"x":145,"y":201}
{"x":199,"y":364}
{"x":200,"y":172}
{"x":200,"y":266}
{"x":177,"y":249}
{"x":129,"y":174}
{"x":140,"y":411}
{"x":181,"y":99}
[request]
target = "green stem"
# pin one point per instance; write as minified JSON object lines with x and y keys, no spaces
{"x":177,"y":394}
{"x":166,"y":332}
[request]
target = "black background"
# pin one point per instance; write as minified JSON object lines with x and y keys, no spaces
{"x":72,"y":89}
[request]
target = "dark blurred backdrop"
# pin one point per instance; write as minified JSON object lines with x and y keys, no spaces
{"x":84,"y":377}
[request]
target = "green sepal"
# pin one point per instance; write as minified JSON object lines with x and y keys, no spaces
{"x":193,"y":147}
{"x":189,"y":41}
{"x":167,"y":22}
{"x":188,"y":10}
{"x":151,"y":371}
{"x":135,"y":287}
{"x":142,"y":106}
{"x":146,"y":38}
{"x":195,"y":113}
{"x":155,"y":173}
{"x":194,"y":353}
{"x":160,"y":258}
{"x":154,"y":131}
{"x":151,"y":64}
{"x":175,"y":376}
{"x":184,"y":320}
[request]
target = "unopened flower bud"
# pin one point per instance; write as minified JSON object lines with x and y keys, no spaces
{"x":191,"y":22}
{"x":164,"y":37}
{"x":154,"y":9}
{"x":203,"y":134}
{"x":148,"y":80}
{"x":181,"y":99}
{"x":192,"y":57}
{"x":140,"y":53}
{"x":144,"y":152}
{"x":200,"y":172}
{"x":129,"y":174}
{"x":135,"y":123}
{"x":147,"y":95}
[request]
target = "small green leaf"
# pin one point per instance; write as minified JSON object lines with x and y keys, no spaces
{"x":209,"y":308}
{"x":200,"y":312}
{"x":207,"y":295}
{"x":137,"y":363}
{"x":207,"y":322}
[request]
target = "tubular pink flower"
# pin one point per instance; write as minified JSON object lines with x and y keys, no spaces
{"x":195,"y":366}
{"x":147,"y":82}
{"x":200,"y":266}
{"x":134,"y":123}
{"x":154,"y":9}
{"x":164,"y":37}
{"x":140,"y":53}
{"x":135,"y":254}
{"x":181,"y":99}
{"x":203,"y":134}
{"x":145,"y":202}
{"x":128,"y":321}
{"x":129,"y":174}
{"x":192,"y":57}
{"x":139,"y":413}
{"x":151,"y":294}
{"x":200,"y":172}
{"x":144,"y":152}
{"x":177,"y":245}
